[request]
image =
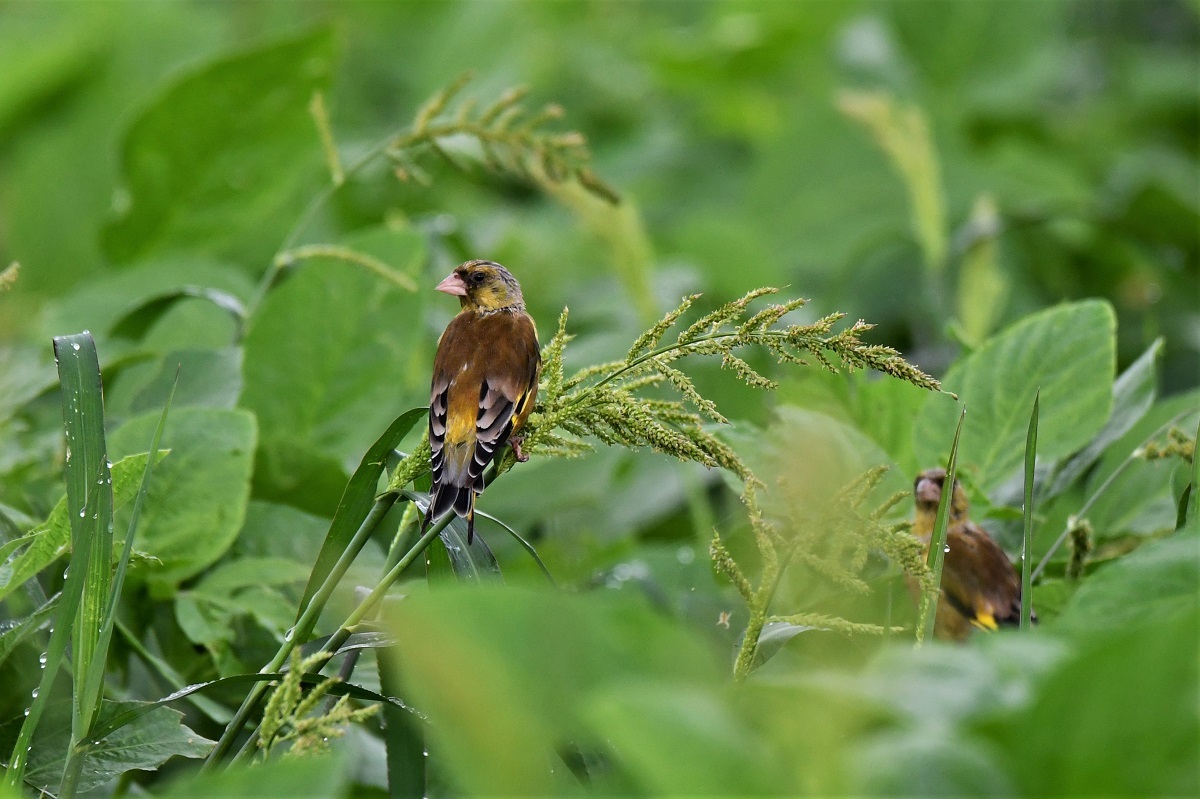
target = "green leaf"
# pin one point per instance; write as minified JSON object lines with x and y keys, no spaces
{"x":146,"y":744}
{"x":307,"y":776}
{"x":1158,"y":580}
{"x":329,"y":351}
{"x":772,"y":638}
{"x":294,"y":473}
{"x":227,"y":181}
{"x":935,"y":556}
{"x":209,"y":378}
{"x":51,"y":539}
{"x":1133,"y":394}
{"x":1027,"y":528}
{"x":469,"y":562}
{"x":195,"y":506}
{"x":16,"y":632}
{"x":1069,"y":351}
{"x":403,"y":736}
{"x":135,"y":322}
{"x":511,"y":674}
{"x":357,"y":500}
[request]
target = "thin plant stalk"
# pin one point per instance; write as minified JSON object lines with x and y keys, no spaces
{"x":937,"y":541}
{"x":303,"y":627}
{"x":1027,"y":538}
{"x":1099,"y":492}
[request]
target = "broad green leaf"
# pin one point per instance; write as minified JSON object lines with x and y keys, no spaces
{"x":146,"y":744}
{"x":983,"y":287}
{"x":195,"y":506}
{"x":291,"y":472}
{"x":228,"y":181}
{"x":137,"y":321}
{"x":682,"y":740}
{"x":511,"y":674}
{"x":329,"y":351}
{"x":1160,"y":579}
{"x":14,"y":633}
{"x":210,"y":378}
{"x":102,"y":302}
{"x":1133,"y":393}
{"x":357,"y":499}
{"x":243,"y":587}
{"x":1068,"y":351}
{"x":1118,"y":718}
{"x":297,"y":776}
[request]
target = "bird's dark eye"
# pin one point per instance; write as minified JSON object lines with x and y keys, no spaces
{"x":477,"y":278}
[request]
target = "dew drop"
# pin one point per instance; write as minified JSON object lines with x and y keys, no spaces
{"x":42,"y":658}
{"x":68,"y":454}
{"x":426,"y":753}
{"x":26,"y":711}
{"x":81,"y":513}
{"x":947,"y":548}
{"x":288,"y":635}
{"x":35,"y":693}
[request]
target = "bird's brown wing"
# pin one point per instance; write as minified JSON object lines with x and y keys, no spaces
{"x":484,"y":374}
{"x":978,"y":579}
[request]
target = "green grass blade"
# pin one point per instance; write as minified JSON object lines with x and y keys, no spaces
{"x":1027,"y":538}
{"x":528,"y":546}
{"x":1194,"y":513}
{"x":937,"y":540}
{"x":94,"y":677}
{"x":87,"y":474}
{"x":60,"y":635}
{"x":357,"y":500}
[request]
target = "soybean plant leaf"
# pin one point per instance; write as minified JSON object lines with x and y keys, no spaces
{"x":539,"y":659}
{"x":293,"y":776}
{"x":358,"y":499}
{"x":290,"y":472}
{"x":1133,"y":394}
{"x":1160,"y":579}
{"x":194,"y":507}
{"x":52,"y":538}
{"x":147,"y":743}
{"x":229,"y":180}
{"x":330,"y":350}
{"x":211,"y":378}
{"x":135,"y":322}
{"x":1069,"y":351}
{"x":13,"y":633}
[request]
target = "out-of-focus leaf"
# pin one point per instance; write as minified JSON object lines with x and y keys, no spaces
{"x":1133,"y":393}
{"x":328,"y":351}
{"x":539,"y":659}
{"x":294,"y":473}
{"x":1161,"y":579}
{"x":306,"y":776}
{"x":210,"y":378}
{"x":982,"y":286}
{"x":13,"y":633}
{"x":1068,"y":351}
{"x":773,"y":636}
{"x":194,"y":507}
{"x":230,"y":178}
{"x":136,"y":321}
{"x":146,"y":744}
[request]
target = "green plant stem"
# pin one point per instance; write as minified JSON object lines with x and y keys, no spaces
{"x":1099,"y":492}
{"x":303,"y":627}
{"x":364,"y":609}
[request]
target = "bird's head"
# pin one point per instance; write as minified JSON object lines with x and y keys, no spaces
{"x":484,"y":286}
{"x":927,"y":491}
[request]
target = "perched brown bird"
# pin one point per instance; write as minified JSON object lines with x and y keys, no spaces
{"x":485,"y":379}
{"x":980,"y":588}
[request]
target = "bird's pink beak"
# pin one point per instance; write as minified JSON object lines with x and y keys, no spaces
{"x":929,"y":491}
{"x":453,"y":284}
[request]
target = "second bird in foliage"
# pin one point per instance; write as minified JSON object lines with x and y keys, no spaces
{"x":980,"y":588}
{"x":485,"y":379}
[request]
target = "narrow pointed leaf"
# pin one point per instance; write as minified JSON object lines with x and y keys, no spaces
{"x":937,"y":540}
{"x":1027,"y":538}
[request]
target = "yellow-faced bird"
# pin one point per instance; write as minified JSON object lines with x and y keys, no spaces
{"x":485,"y":379}
{"x":980,"y":588}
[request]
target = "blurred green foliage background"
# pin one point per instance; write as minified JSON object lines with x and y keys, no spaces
{"x":942,"y":169}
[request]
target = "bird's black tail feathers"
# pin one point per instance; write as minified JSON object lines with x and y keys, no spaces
{"x":446,"y":498}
